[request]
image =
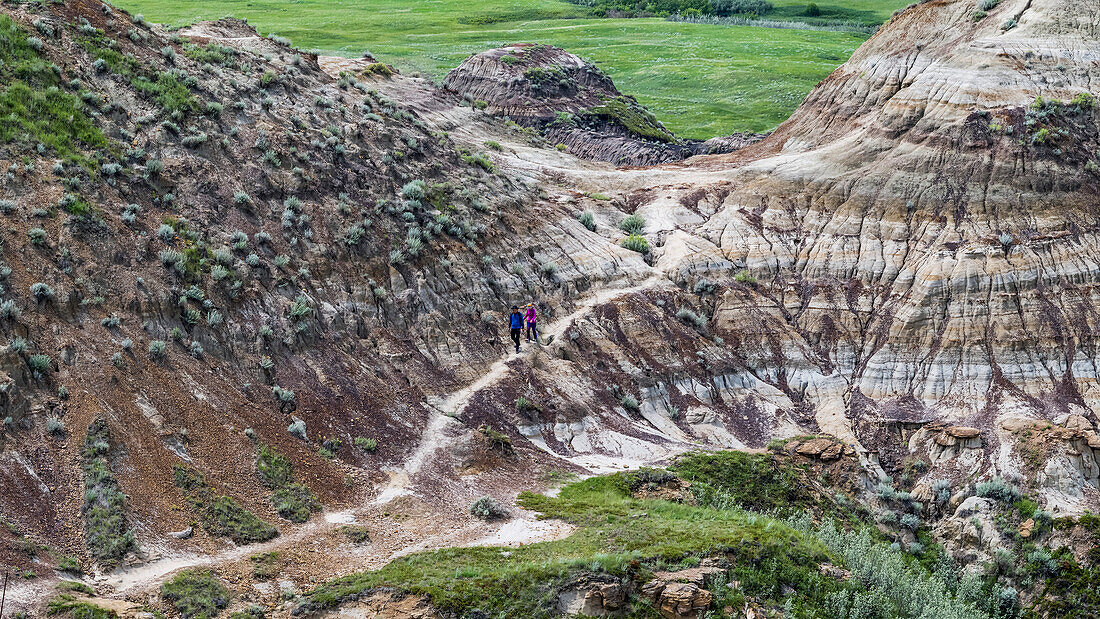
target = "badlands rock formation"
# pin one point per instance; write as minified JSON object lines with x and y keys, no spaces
{"x":923,"y":231}
{"x":266,"y":253}
{"x":573,"y":103}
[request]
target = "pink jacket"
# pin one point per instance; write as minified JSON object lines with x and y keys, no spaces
{"x":529,"y":315}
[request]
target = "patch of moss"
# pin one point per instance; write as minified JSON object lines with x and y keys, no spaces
{"x":166,"y":88}
{"x":378,"y":68}
{"x":617,"y":535}
{"x":211,"y":53}
{"x":356,"y":534}
{"x":265,"y":565}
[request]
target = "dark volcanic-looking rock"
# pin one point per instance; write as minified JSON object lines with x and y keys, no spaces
{"x":575,"y":104}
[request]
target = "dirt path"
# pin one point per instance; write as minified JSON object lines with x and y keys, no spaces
{"x":437,"y":435}
{"x":446,"y":409}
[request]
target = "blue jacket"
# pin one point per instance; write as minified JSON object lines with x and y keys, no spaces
{"x":516,"y":320}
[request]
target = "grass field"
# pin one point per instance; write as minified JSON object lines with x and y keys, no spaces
{"x":866,"y":11}
{"x":700,"y":80}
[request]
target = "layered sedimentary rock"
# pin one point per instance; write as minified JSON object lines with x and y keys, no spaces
{"x":573,"y":103}
{"x":924,"y":227}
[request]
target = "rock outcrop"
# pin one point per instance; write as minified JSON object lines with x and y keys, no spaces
{"x":681,"y":594}
{"x":573,"y":103}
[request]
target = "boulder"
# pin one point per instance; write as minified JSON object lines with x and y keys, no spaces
{"x":834,"y":572}
{"x":962,"y":432}
{"x":975,"y":505}
{"x":1017,"y":424}
{"x":815,"y":448}
{"x":680,"y":595}
{"x":1026,"y":527}
{"x":184,"y":534}
{"x":609,"y":596}
{"x":677,"y":600}
{"x":1079,"y":423}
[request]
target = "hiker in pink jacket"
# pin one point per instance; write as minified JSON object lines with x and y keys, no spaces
{"x":530,"y":317}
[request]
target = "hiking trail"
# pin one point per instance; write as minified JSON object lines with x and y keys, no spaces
{"x":434,"y":437}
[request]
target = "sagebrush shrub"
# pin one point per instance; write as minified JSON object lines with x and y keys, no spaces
{"x":42,"y":291}
{"x":297,"y":427}
{"x":633,"y":224}
{"x":488,"y":508}
{"x":999,"y":490}
{"x":636,"y":243}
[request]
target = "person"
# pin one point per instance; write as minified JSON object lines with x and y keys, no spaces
{"x":515,"y":323}
{"x":530,"y":317}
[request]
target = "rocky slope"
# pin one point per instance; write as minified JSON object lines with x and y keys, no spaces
{"x":924,"y":224}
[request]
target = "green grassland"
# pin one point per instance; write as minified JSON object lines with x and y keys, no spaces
{"x":700,"y":80}
{"x":865,"y":11}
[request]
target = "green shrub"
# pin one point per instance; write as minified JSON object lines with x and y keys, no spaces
{"x":295,"y":502}
{"x":488,"y":508}
{"x":42,"y":291}
{"x":55,"y":426}
{"x":632,"y":224}
{"x":265,"y":565}
{"x":157,"y":348}
{"x":368,"y":445}
{"x":636,"y":243}
{"x":297,"y":427}
{"x":999,"y":490}
{"x":378,"y":68}
{"x":300,"y":309}
{"x":67,"y":604}
{"x":1084,"y":100}
{"x":742,"y":7}
{"x":275,"y":470}
{"x":37,"y":236}
{"x":357,"y":534}
{"x":744,"y":277}
{"x":291,"y":500}
{"x":691,"y":317}
{"x":941,"y":491}
{"x":71,"y":564}
{"x":40,"y":364}
{"x":195,"y":593}
{"x":588,"y":220}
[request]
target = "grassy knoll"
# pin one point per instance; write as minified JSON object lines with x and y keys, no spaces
{"x":700,"y":80}
{"x":615,"y":531}
{"x":775,"y":561}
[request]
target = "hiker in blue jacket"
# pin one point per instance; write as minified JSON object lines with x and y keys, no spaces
{"x":515,"y":323}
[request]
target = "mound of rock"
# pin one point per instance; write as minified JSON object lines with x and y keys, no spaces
{"x":574,"y":104}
